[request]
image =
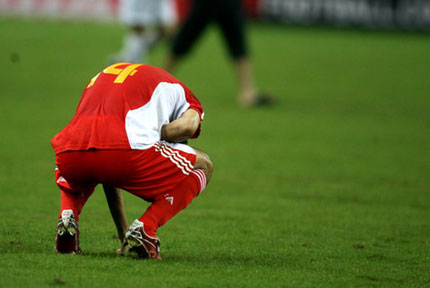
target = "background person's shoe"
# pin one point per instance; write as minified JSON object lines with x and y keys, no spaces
{"x":260,"y":99}
{"x":264,"y":99}
{"x":67,"y":234}
{"x":144,"y":245}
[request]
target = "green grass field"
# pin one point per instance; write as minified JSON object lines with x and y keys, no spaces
{"x":330,"y":188}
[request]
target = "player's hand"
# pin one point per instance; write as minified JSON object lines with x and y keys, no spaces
{"x":124,"y":249}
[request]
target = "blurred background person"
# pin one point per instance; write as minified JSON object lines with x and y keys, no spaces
{"x":230,"y":17}
{"x":148,"y":21}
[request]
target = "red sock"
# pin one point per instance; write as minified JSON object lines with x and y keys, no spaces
{"x":168,"y":205}
{"x":71,"y":198}
{"x":74,"y":201}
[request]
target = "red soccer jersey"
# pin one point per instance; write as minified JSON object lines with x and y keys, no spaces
{"x":124,"y":107}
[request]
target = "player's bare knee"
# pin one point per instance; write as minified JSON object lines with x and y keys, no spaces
{"x":205,"y":163}
{"x":209,"y":167}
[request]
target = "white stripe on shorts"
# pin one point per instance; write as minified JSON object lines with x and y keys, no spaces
{"x":180,"y":161}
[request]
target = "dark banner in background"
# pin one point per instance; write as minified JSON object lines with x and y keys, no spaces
{"x":405,"y":14}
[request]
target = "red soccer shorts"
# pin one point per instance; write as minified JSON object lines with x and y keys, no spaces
{"x":145,"y":173}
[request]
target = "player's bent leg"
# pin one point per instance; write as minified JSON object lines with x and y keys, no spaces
{"x":188,"y":181}
{"x":72,"y":200}
{"x":162,"y":209}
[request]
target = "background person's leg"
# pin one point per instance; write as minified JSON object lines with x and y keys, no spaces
{"x":232,"y":21}
{"x":189,"y":32}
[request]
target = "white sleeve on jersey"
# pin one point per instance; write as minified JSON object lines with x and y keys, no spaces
{"x":143,"y":125}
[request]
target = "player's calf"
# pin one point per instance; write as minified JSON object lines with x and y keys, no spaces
{"x":67,"y":234}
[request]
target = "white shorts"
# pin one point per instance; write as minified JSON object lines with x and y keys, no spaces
{"x":148,"y":12}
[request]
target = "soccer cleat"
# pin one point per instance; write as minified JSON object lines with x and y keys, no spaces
{"x":144,"y":245}
{"x":67,"y":234}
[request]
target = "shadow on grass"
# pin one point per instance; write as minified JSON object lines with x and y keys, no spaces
{"x":207,"y":258}
{"x":270,"y":261}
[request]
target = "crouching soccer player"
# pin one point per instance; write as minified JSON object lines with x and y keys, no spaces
{"x":126,"y":134}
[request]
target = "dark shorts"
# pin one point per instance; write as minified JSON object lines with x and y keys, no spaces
{"x":228,"y":14}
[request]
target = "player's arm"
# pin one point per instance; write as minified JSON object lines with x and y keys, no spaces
{"x":117,"y":210}
{"x":182,"y":128}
